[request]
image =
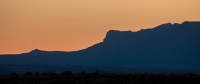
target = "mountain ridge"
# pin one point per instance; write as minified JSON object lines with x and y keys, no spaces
{"x":170,"y":46}
{"x":111,"y":34}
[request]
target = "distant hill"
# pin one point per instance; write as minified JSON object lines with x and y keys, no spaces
{"x":170,"y":47}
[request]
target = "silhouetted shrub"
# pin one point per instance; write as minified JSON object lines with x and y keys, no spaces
{"x":97,"y":72}
{"x":67,"y":73}
{"x":102,"y":78}
{"x":82,"y":73}
{"x":29,"y":73}
{"x":44,"y":73}
{"x":190,"y":74}
{"x":36,"y":73}
{"x":49,"y":73}
{"x":52,"y":73}
{"x":13,"y":73}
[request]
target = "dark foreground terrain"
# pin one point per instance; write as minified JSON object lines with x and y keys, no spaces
{"x":100,"y":78}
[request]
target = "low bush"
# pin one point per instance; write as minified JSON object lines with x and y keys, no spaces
{"x":29,"y":73}
{"x":67,"y":73}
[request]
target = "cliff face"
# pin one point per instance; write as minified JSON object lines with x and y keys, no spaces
{"x":115,"y":35}
{"x":166,"y":45}
{"x":164,"y":36}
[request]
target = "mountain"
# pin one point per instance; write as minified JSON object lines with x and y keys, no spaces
{"x":167,"y":47}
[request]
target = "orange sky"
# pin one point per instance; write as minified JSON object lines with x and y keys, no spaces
{"x":68,"y":25}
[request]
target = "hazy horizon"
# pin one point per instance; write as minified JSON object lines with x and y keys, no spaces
{"x":70,"y":25}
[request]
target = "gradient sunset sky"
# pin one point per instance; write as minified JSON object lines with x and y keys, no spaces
{"x":70,"y":25}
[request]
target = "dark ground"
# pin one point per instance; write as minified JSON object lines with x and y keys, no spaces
{"x":100,"y":78}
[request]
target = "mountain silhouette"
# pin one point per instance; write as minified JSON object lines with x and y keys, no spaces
{"x":167,"y":46}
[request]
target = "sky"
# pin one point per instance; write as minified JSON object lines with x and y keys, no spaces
{"x":71,"y":25}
